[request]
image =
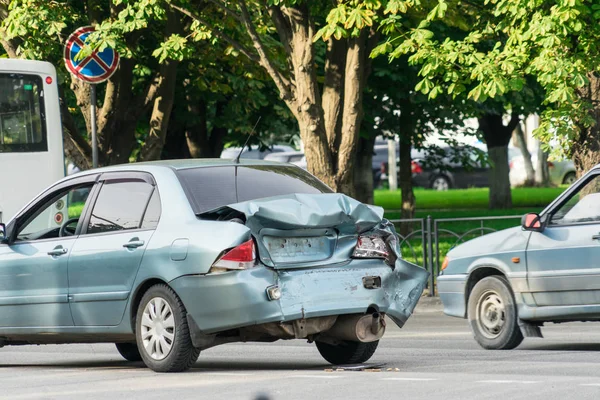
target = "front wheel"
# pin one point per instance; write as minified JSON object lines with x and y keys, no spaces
{"x":162,"y":332}
{"x":347,"y":352}
{"x":493,"y":314}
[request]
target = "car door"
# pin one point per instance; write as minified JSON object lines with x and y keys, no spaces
{"x":106,"y":256}
{"x":33,"y":265}
{"x":562,"y":260}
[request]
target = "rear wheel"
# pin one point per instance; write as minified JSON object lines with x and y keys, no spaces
{"x":129,"y":351}
{"x":493,"y":314}
{"x":162,"y":332}
{"x":569,"y":179}
{"x":440,"y":183}
{"x":347,"y":352}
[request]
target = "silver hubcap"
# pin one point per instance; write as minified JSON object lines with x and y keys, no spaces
{"x":490,"y":314}
{"x":570,"y":179}
{"x":158,"y":328}
{"x":440,"y":184}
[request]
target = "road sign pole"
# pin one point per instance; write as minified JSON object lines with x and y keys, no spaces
{"x":95,"y":68}
{"x":93,"y":123}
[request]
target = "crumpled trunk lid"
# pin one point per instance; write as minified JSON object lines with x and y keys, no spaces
{"x":305,"y":229}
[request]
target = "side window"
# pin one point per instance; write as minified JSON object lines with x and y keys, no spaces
{"x":582,"y":206}
{"x":47,"y":220}
{"x":119,"y":206}
{"x":152,"y":215}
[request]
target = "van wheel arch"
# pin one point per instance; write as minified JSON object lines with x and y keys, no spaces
{"x":475,"y":276}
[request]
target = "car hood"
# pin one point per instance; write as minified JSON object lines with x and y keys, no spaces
{"x":512,"y":239}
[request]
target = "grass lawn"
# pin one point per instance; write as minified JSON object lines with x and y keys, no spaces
{"x":536,"y":198}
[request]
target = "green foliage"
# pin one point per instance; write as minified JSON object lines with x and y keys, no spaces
{"x":506,"y":46}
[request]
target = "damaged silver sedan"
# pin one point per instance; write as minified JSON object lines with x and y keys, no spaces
{"x":166,"y":259}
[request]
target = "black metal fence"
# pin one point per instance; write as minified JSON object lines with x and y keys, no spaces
{"x":425,"y":241}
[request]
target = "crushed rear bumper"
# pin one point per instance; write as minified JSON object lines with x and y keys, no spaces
{"x":220,"y":302}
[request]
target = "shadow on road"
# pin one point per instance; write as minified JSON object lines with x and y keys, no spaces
{"x":563,"y":347}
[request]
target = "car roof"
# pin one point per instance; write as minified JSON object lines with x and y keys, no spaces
{"x":149,"y":166}
{"x":284,"y":153}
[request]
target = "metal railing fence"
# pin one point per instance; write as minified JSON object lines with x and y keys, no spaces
{"x":432,"y":234}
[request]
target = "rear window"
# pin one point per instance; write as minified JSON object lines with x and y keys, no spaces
{"x":22,"y":124}
{"x":210,"y":188}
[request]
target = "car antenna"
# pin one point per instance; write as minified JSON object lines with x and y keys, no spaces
{"x":237,"y":159}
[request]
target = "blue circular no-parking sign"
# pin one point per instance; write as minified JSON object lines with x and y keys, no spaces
{"x":95,"y":68}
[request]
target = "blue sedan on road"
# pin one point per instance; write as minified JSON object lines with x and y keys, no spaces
{"x":168,"y":258}
{"x":509,"y":283}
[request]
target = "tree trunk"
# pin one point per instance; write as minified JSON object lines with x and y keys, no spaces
{"x":529,"y":171}
{"x":202,"y":143}
{"x":406,"y":184}
{"x":497,"y":137}
{"x":363,"y":170}
{"x":586,"y":148}
{"x":163,"y":104}
{"x":542,"y":174}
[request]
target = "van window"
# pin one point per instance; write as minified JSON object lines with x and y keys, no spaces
{"x":22,"y":120}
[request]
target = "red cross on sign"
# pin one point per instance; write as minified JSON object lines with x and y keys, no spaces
{"x":95,"y":68}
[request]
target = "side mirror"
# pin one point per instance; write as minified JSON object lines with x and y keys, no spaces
{"x":3,"y":234}
{"x":532,"y":222}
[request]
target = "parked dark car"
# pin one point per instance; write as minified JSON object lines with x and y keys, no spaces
{"x":446,"y":168}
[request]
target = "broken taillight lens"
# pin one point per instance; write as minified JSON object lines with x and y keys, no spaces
{"x":370,"y":246}
{"x":240,"y":257}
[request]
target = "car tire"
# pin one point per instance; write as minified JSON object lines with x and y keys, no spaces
{"x":440,"y":183}
{"x":162,"y":332}
{"x":347,"y":352}
{"x":129,"y":351}
{"x":569,"y":178}
{"x":492,"y":314}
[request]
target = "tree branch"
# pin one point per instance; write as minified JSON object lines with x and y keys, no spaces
{"x":10,"y":47}
{"x":218,"y":33}
{"x":282,"y":84}
{"x":227,"y":10}
{"x":514,"y":121}
{"x":283,"y":28}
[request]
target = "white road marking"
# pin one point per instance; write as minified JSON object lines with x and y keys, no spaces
{"x":408,"y":379}
{"x":507,"y":381}
{"x":590,"y":384}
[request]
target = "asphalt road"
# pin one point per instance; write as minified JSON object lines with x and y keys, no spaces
{"x":432,"y":357}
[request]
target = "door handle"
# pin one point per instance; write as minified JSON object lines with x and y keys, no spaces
{"x":596,"y":237}
{"x":58,"y":251}
{"x":134,"y":244}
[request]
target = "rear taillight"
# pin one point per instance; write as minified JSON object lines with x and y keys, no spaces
{"x":240,"y":257}
{"x":550,"y":164}
{"x":511,"y":164}
{"x":383,"y":168}
{"x":415,"y":167}
{"x":370,"y":247}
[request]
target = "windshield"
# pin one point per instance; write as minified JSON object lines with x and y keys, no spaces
{"x":210,"y":188}
{"x":22,"y":125}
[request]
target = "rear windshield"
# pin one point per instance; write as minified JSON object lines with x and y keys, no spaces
{"x":210,"y":188}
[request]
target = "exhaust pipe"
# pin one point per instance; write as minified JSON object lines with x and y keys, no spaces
{"x":358,"y":328}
